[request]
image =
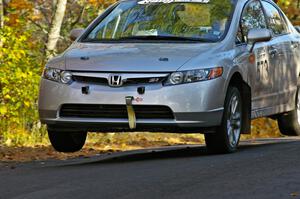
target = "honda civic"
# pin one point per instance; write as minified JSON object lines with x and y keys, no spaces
{"x":181,"y":66}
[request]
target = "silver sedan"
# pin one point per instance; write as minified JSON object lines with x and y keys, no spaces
{"x":206,"y":66}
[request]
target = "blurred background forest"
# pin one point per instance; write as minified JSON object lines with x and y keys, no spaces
{"x":31,"y":31}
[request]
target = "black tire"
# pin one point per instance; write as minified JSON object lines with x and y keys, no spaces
{"x":221,"y":142}
{"x":67,"y":142}
{"x":289,"y":123}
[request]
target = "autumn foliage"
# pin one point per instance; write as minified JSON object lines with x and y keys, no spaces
{"x":292,"y":9}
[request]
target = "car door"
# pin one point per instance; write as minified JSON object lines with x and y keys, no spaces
{"x":280,"y":52}
{"x":260,"y":72}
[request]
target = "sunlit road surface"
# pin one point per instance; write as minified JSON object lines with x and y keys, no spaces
{"x":266,"y":168}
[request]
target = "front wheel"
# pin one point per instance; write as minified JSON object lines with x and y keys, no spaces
{"x":67,"y":142}
{"x":227,"y":136}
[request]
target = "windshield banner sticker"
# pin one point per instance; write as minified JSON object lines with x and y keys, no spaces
{"x":172,"y":1}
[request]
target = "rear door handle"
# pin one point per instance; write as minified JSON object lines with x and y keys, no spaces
{"x":295,"y":45}
{"x":273,"y":51}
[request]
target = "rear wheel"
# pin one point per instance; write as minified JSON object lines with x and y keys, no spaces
{"x":67,"y":142}
{"x":227,"y":136}
{"x":289,"y":123}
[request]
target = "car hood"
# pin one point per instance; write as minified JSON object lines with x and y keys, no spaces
{"x":132,"y":57}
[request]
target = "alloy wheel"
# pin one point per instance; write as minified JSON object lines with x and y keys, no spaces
{"x":234,"y":120}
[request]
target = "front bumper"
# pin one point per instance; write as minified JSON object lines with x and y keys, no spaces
{"x":195,"y":106}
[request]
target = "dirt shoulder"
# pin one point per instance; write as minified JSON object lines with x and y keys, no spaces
{"x":24,"y":154}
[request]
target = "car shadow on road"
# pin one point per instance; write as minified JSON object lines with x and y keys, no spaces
{"x":174,"y":152}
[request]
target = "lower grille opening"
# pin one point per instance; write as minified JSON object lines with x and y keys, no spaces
{"x":115,"y":111}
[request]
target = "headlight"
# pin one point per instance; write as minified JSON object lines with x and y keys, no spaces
{"x":57,"y":75}
{"x":193,"y":76}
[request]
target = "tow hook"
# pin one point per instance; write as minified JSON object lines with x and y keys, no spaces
{"x":130,"y":112}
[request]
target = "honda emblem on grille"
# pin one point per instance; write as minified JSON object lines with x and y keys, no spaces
{"x":115,"y":80}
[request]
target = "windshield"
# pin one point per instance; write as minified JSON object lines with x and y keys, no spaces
{"x":203,"y":20}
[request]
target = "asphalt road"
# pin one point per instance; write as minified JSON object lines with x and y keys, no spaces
{"x":264,"y":169}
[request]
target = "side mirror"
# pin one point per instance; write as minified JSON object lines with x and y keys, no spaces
{"x":75,"y":33}
{"x":297,"y":28}
{"x":258,"y":35}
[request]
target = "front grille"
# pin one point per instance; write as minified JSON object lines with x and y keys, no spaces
{"x":115,"y":111}
{"x":133,"y":81}
{"x":104,"y":81}
{"x":91,"y":80}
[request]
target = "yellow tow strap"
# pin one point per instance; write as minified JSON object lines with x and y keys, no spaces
{"x":131,"y":113}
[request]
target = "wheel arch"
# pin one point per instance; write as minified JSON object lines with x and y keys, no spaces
{"x":237,"y":80}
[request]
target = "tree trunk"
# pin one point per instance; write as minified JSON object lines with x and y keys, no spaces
{"x":55,"y":29}
{"x":1,"y":14}
{"x":1,"y":23}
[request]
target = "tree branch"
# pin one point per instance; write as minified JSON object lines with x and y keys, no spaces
{"x":78,"y":19}
{"x":39,"y":26}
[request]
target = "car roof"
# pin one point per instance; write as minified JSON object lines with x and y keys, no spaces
{"x":233,"y":1}
{"x":183,"y":1}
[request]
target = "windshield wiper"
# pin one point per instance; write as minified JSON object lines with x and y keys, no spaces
{"x":151,"y":37}
{"x":161,"y":37}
